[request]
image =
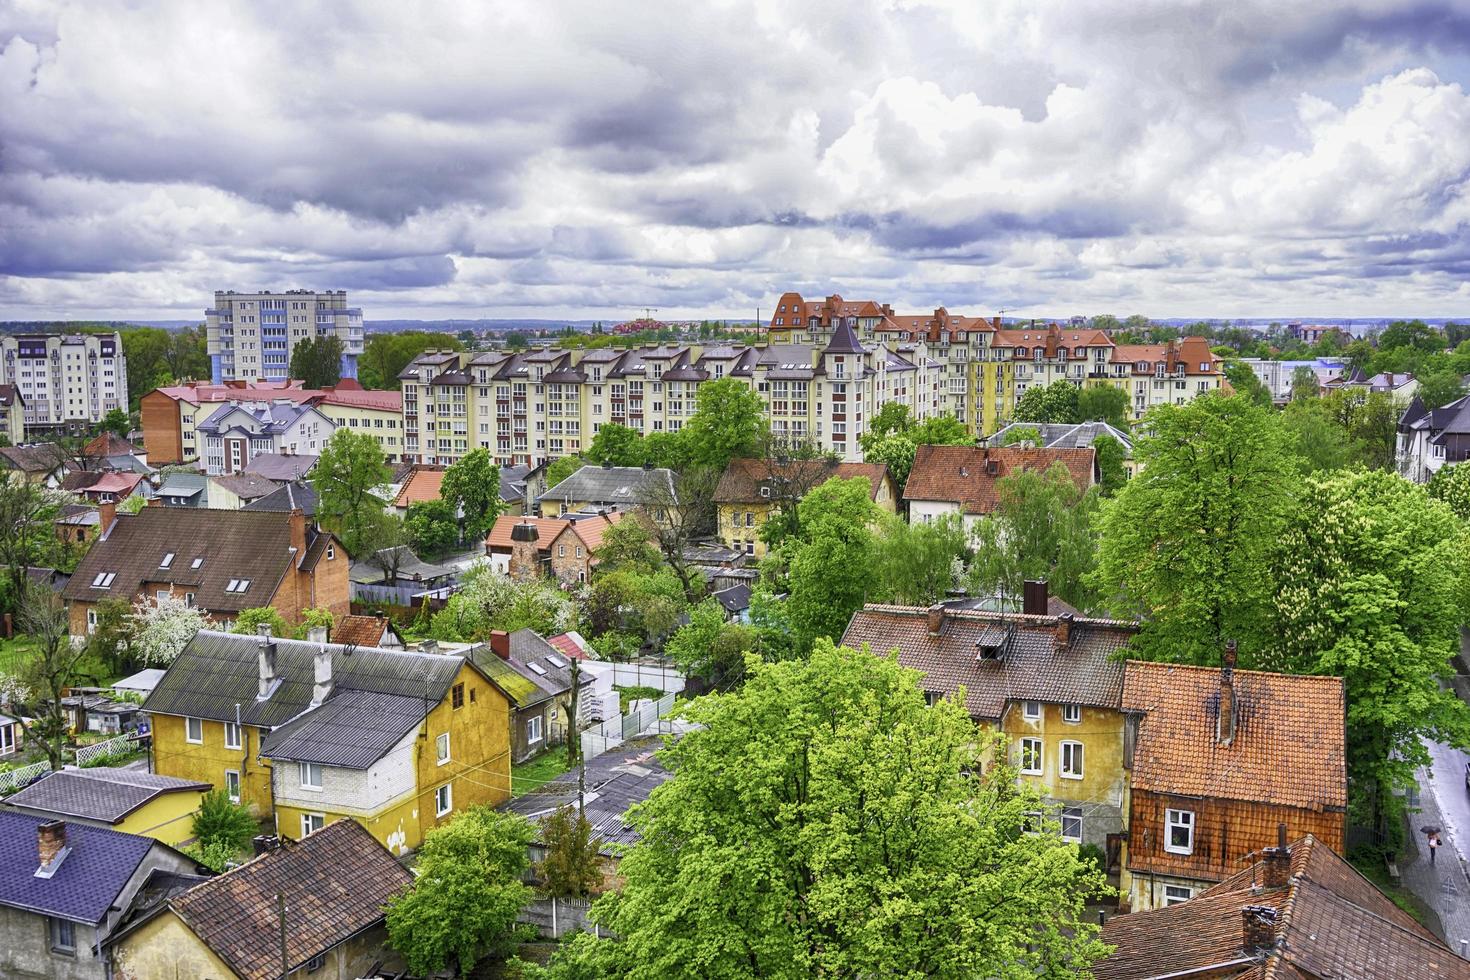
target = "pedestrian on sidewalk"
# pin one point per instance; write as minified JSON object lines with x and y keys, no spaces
{"x":1433,"y":846}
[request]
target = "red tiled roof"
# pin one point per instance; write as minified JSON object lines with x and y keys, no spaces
{"x":743,"y":478}
{"x":424,"y":483}
{"x":591,"y":529}
{"x":383,"y":401}
{"x":568,"y":644}
{"x":359,"y":631}
{"x":547,"y":528}
{"x":1289,"y":743}
{"x":109,"y":444}
{"x":963,"y":474}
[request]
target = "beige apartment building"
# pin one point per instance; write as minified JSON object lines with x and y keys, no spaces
{"x":65,"y":380}
{"x":251,"y":335}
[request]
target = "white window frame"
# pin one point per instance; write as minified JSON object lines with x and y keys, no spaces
{"x":1071,"y":813}
{"x":1172,"y":819}
{"x":189,"y":725}
{"x":1031,"y":710}
{"x":312,"y":822}
{"x":1034,"y":749}
{"x":1071,"y":759}
{"x":232,"y":735}
{"x":441,"y":749}
{"x":1072,"y":714}
{"x":443,"y":800}
{"x":235,"y":796}
{"x":305,"y":769}
{"x":1177,"y":894}
{"x":533,"y":730}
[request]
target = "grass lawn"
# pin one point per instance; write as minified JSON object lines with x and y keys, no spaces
{"x":1369,"y":862}
{"x":631,"y":694}
{"x":14,"y":652}
{"x":539,"y":771}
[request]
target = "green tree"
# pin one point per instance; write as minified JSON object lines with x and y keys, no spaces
{"x":1304,"y":384}
{"x":616,"y":445}
{"x":110,"y":640}
{"x":1112,"y":464}
{"x":1056,"y":402}
{"x":895,"y":452}
{"x":1104,"y":403}
{"x":814,"y":814}
{"x":351,"y":465}
{"x":1016,"y":435}
{"x":250,"y":620}
{"x":1245,"y":382}
{"x":1041,"y":528}
{"x":515,"y":340}
{"x":1450,"y":485}
{"x":1187,"y":543}
{"x":892,"y":419}
{"x":710,"y":648}
{"x":317,"y":362}
{"x":27,"y":511}
{"x":917,"y":564}
{"x":830,"y":563}
{"x":53,"y":666}
{"x":386,"y":355}
{"x":572,"y":867}
{"x":314,"y":617}
{"x":1440,"y":387}
{"x":941,"y":430}
{"x":221,"y":822}
{"x":463,"y":904}
{"x":471,"y":488}
{"x":431,"y":527}
{"x":1319,"y":440}
{"x":1411,"y":334}
{"x":116,"y":421}
{"x":1368,"y":584}
{"x":729,"y":422}
{"x":563,"y":467}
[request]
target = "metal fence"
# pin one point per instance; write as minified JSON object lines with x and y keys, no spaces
{"x":121,"y":745}
{"x":615,"y":731}
{"x":16,"y":778}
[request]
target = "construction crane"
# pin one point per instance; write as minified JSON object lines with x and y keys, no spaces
{"x":648,"y":312}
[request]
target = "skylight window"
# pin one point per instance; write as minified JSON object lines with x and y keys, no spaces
{"x":197,"y":562}
{"x":168,"y":560}
{"x":237,"y":585}
{"x":540,"y":670}
{"x":556,"y":662}
{"x":103,"y":580}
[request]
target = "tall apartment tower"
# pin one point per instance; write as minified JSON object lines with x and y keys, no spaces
{"x":251,"y":335}
{"x":66,"y":380}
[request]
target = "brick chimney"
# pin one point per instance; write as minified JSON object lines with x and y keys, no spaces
{"x":1258,"y":931}
{"x":1276,"y":861}
{"x":936,"y":618}
{"x":321,"y":687}
{"x":500,"y":643}
{"x":106,"y":517}
{"x":1225,"y":724}
{"x":1064,"y":630}
{"x":267,"y":645}
{"x":1034,"y":598}
{"x":297,"y":519}
{"x":50,"y":843}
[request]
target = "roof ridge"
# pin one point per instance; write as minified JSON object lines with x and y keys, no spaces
{"x":1163,"y":664}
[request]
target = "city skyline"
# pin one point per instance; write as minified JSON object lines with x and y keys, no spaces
{"x":1174,"y":160}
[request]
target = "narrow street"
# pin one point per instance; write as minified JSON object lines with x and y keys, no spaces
{"x":1445,"y":884}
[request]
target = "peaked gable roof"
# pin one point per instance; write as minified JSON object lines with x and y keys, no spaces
{"x":99,"y":793}
{"x":627,"y":485}
{"x":336,"y":883}
{"x":743,"y":478}
{"x":967,"y":475}
{"x":87,"y":882}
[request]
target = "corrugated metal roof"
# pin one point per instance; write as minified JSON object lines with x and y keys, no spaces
{"x":352,"y":729}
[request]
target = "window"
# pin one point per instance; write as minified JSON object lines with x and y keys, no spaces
{"x":1072,"y":714}
{"x":232,"y":735}
{"x":312,"y":822}
{"x":1179,"y":832}
{"x":1031,"y":761}
{"x":533,"y":730}
{"x":1072,"y":824}
{"x":1177,"y":894}
{"x":232,"y":785}
{"x":196,"y":562}
{"x":311,"y":775}
{"x":538,"y":669}
{"x":91,"y":620}
{"x":194,"y":731}
{"x":561,"y":551}
{"x":316,"y":963}
{"x":456,"y":696}
{"x":443,"y":800}
{"x":441,"y":749}
{"x":237,"y":585}
{"x":63,"y":937}
{"x":103,"y":580}
{"x":168,"y":560}
{"x":331,"y":552}
{"x":1071,"y":760}
{"x":766,"y":492}
{"x":1031,"y":710}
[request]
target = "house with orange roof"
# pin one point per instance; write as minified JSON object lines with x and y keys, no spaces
{"x":557,"y":547}
{"x":964,"y":480}
{"x":751,"y":489}
{"x":1219,"y":758}
{"x":1164,"y":374}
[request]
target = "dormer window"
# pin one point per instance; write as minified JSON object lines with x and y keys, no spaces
{"x":168,"y":560}
{"x":766,"y":492}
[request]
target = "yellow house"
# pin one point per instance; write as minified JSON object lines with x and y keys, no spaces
{"x":12,"y":415}
{"x":1051,"y":683}
{"x":334,"y":884}
{"x":127,"y":800}
{"x":751,"y":489}
{"x":613,"y":488}
{"x":395,"y":740}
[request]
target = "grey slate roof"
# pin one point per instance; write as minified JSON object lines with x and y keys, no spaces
{"x":291,"y":496}
{"x":85,"y":885}
{"x":735,"y":599}
{"x":615,"y":781}
{"x":1027,"y":661}
{"x":623,"y":485}
{"x":106,"y":795}
{"x":246,"y":486}
{"x":216,"y":671}
{"x":281,"y":466}
{"x":42,"y":457}
{"x":352,"y":729}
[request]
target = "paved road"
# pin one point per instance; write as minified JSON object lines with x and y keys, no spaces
{"x":1444,"y":885}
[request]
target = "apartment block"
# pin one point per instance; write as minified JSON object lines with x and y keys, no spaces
{"x":251,"y":335}
{"x":65,"y":380}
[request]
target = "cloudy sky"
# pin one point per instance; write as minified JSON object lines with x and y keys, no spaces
{"x":563,"y":159}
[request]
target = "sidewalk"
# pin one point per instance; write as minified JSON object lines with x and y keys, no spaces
{"x":1443,"y":886}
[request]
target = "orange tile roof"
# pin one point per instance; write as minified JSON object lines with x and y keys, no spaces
{"x":742,"y":480}
{"x":1289,"y":744}
{"x":547,"y":528}
{"x":591,"y":529}
{"x":361,"y":631}
{"x":962,"y":474}
{"x":424,"y":483}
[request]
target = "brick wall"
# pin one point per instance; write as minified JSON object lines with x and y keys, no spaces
{"x":161,"y":431}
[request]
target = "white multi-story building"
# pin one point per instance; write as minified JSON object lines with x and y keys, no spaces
{"x":238,"y":432}
{"x":251,"y":335}
{"x":65,"y":380}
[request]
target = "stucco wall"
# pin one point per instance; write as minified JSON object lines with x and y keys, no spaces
{"x":166,"y":947}
{"x":206,"y":763}
{"x":168,"y":817}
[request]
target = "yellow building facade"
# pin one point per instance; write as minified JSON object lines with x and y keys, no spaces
{"x":214,"y":758}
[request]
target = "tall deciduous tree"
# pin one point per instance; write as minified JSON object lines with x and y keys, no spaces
{"x":1451,"y":486}
{"x":318,"y":361}
{"x":709,"y":647}
{"x":471,"y":487}
{"x":1304,"y":384}
{"x":26,"y":532}
{"x":1104,"y":403}
{"x":1245,"y":382}
{"x":917,"y":564}
{"x":1187,"y":543}
{"x":162,"y":626}
{"x":386,"y":355}
{"x":826,"y":822}
{"x":572,"y":867}
{"x":616,"y":445}
{"x":463,"y":905}
{"x":830,"y":565}
{"x":1112,"y":464}
{"x":1041,"y":528}
{"x":1056,"y":402}
{"x":729,"y":422}
{"x":350,"y":466}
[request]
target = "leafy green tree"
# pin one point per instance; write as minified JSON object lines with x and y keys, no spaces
{"x":627,"y":546}
{"x":162,"y":625}
{"x":616,"y":445}
{"x":729,"y":422}
{"x":386,"y":355}
{"x":222,"y":822}
{"x":1186,"y":544}
{"x":110,"y":640}
{"x":1439,"y":388}
{"x":515,"y":340}
{"x":941,"y":430}
{"x":572,"y":867}
{"x":431,"y":527}
{"x":709,"y":647}
{"x":917,"y":564}
{"x":1105,"y":403}
{"x":1245,"y":382}
{"x":1411,"y":334}
{"x":895,"y":452}
{"x":831,"y":561}
{"x":1368,"y":583}
{"x":814,"y":814}
{"x":53,"y":666}
{"x":317,"y":362}
{"x":351,"y":465}
{"x":1304,"y":384}
{"x":1450,"y":485}
{"x":669,"y":450}
{"x":1371,"y":421}
{"x":1017,"y":435}
{"x":1319,"y":440}
{"x":27,"y":511}
{"x":116,"y":421}
{"x":314,"y":617}
{"x":218,"y":858}
{"x":1056,"y":402}
{"x":1041,"y":528}
{"x":489,"y":601}
{"x":471,"y":488}
{"x":464,"y":902}
{"x":892,"y":419}
{"x":1112,"y":464}
{"x":563,"y":467}
{"x":250,"y":620}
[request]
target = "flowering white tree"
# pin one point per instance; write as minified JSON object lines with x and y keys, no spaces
{"x":489,"y":600}
{"x":164,"y":626}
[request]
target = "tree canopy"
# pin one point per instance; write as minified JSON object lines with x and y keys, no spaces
{"x":1041,"y":528}
{"x":385,"y":355}
{"x":350,"y":466}
{"x":471,"y":488}
{"x":1056,"y":403}
{"x":729,"y":422}
{"x":317,"y":361}
{"x":830,"y":561}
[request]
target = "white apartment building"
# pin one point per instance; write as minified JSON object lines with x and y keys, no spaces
{"x":238,"y":432}
{"x":251,"y":335}
{"x":65,"y":380}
